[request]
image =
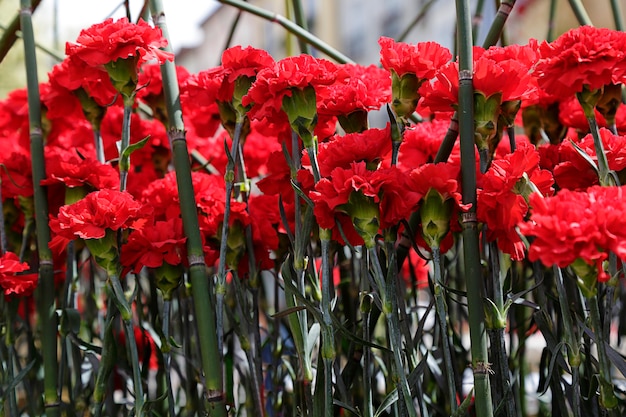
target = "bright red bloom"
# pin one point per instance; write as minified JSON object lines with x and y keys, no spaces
{"x":578,"y":225}
{"x":358,"y":88}
{"x":110,"y":40}
{"x":571,"y":170}
{"x":150,"y":88}
{"x":340,"y":151}
{"x":422,"y":59}
{"x":11,"y":283}
{"x":420,"y":145}
{"x":78,"y":167}
{"x":502,"y":199}
{"x":362,"y":200}
{"x":585,"y":56}
{"x":274,"y":83}
{"x":571,"y":114}
{"x":508,"y":78}
{"x":158,"y":243}
{"x":98,"y":212}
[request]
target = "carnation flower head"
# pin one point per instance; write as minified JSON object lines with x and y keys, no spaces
{"x":578,"y":226}
{"x":410,"y":66}
{"x":503,"y":197}
{"x":11,"y":281}
{"x":357,"y":90}
{"x":121,"y":47}
{"x":582,"y":57}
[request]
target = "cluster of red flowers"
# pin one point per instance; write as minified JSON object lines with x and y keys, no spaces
{"x":360,"y":194}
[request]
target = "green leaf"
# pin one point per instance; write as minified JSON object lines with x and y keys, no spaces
{"x":18,"y":378}
{"x":388,"y":401}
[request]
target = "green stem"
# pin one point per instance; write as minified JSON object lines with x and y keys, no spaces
{"x":551,"y":19}
{"x":9,"y":339}
{"x":471,"y":252}
{"x":107,"y":361}
{"x":124,"y":162}
{"x":205,"y":314}
{"x":97,"y":138}
{"x":442,"y":314}
{"x":495,"y":31}
{"x":119,"y":298}
{"x":11,"y":33}
{"x":300,"y":18}
{"x":616,"y":7}
{"x":291,"y":28}
{"x":46,"y":294}
{"x":366,"y":309}
{"x":502,"y":387}
{"x":477,"y":20}
{"x":328,"y":339}
{"x":167,"y":356}
{"x":389,"y":301}
{"x":229,"y":178}
{"x":581,"y":14}
{"x":573,"y":348}
{"x":608,"y":400}
{"x":603,"y":163}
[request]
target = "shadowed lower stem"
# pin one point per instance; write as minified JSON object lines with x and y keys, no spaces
{"x":471,"y":252}
{"x":387,"y":291}
{"x":204,"y":304}
{"x":45,"y":300}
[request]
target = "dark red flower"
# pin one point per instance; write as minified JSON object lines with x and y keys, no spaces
{"x":340,"y":151}
{"x":502,"y":199}
{"x":363,"y":201}
{"x":157,"y":243}
{"x":422,"y":59}
{"x":357,"y":88}
{"x":150,"y":88}
{"x":110,"y":40}
{"x":99,"y":212}
{"x":12,"y":283}
{"x":574,"y":225}
{"x":274,"y":83}
{"x":78,"y":167}
{"x":584,"y":56}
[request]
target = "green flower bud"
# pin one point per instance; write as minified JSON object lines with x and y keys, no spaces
{"x":301,"y":109}
{"x":404,"y":93}
{"x":168,"y":278}
{"x":364,"y":213}
{"x":123,"y":75}
{"x":435,"y":213}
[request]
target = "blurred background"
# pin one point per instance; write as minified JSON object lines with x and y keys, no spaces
{"x":200,"y":30}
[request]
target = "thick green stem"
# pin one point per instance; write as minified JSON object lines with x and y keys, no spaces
{"x":608,"y":400}
{"x":616,"y":7}
{"x":477,"y":20}
{"x":97,"y":138}
{"x":46,"y":294}
{"x":328,"y":339}
{"x":11,"y":33}
{"x":204,"y":302}
{"x":471,"y":252}
{"x":291,"y":28}
{"x":581,"y":14}
{"x":573,"y":348}
{"x":442,"y":314}
{"x":387,"y":291}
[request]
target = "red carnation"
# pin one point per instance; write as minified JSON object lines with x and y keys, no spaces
{"x":585,"y":56}
{"x":422,"y":59}
{"x":99,"y":212}
{"x":11,"y":283}
{"x":574,"y":226}
{"x":109,"y":41}
{"x":502,"y":199}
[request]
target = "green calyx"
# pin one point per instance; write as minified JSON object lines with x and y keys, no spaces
{"x":404,"y":93}
{"x":168,"y":278}
{"x":587,"y":277}
{"x":364,"y":213}
{"x":435,"y":214}
{"x":123,"y":75}
{"x":588,"y":99}
{"x":301,"y":110}
{"x":104,"y":251}
{"x":486,"y":113}
{"x":92,"y":110}
{"x":609,"y":102}
{"x":355,"y":122}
